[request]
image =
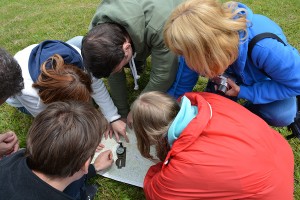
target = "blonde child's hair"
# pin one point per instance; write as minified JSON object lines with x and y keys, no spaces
{"x":153,"y":113}
{"x":206,"y":33}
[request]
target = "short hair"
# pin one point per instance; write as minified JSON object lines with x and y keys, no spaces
{"x":63,"y":137}
{"x":10,"y":75}
{"x":206,"y":33}
{"x":102,"y":48}
{"x":153,"y":113}
{"x":61,"y":82}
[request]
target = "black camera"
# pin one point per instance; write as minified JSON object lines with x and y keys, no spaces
{"x":221,"y":82}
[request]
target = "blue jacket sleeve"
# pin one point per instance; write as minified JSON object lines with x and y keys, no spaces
{"x":282,"y":64}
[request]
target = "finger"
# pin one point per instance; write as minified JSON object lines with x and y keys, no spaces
{"x":126,"y":138}
{"x":107,"y":153}
{"x":106,"y":134}
{"x":110,"y":134}
{"x":229,"y":92}
{"x":9,"y":145}
{"x":9,"y":151}
{"x":16,"y":146}
{"x":231,"y":83}
{"x":6,"y":136}
{"x":99,"y":147}
{"x":216,"y":87}
{"x":117,"y":137}
{"x":233,"y":92}
{"x":110,"y":156}
{"x":10,"y":139}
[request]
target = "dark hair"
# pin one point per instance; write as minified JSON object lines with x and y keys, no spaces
{"x":102,"y":48}
{"x":63,"y":137}
{"x":62,"y":82}
{"x":11,"y":80}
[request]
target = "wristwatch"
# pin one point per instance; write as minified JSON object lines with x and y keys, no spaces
{"x":121,"y":154}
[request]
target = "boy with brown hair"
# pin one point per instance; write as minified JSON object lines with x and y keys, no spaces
{"x":60,"y":145}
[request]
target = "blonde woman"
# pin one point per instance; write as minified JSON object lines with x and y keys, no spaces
{"x":214,"y":39}
{"x":207,"y":149}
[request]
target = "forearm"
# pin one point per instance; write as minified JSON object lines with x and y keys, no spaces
{"x":103,"y":99}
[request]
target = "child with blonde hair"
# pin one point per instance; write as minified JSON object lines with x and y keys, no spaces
{"x":207,"y":149}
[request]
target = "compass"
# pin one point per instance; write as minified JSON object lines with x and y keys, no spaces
{"x":121,"y":154}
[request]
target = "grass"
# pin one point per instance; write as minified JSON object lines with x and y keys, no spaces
{"x":25,"y":22}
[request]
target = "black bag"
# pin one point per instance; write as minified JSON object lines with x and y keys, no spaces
{"x":295,"y":126}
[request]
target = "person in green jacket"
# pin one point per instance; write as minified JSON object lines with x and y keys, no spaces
{"x":128,"y":32}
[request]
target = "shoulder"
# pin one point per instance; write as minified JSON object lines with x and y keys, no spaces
{"x":24,"y":53}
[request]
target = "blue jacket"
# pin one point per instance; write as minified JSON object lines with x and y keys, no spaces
{"x":48,"y":48}
{"x":281,"y":63}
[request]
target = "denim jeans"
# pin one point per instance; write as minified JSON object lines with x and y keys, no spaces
{"x":277,"y":113}
{"x":24,"y":110}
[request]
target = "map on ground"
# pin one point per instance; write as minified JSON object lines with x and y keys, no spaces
{"x":136,"y":165}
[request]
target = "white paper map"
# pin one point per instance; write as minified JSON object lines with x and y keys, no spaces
{"x":136,"y":166}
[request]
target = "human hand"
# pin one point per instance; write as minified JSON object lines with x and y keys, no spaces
{"x":129,"y":120}
{"x":8,"y":143}
{"x":103,"y":160}
{"x":234,"y":88}
{"x":108,"y":132}
{"x":119,"y":127}
{"x":100,"y":147}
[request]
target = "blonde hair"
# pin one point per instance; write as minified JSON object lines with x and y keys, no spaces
{"x":62,"y":82}
{"x":206,"y":33}
{"x":152,"y":114}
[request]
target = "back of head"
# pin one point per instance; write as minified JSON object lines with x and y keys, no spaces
{"x":206,"y":33}
{"x":152,"y":114}
{"x":63,"y":137}
{"x":102,"y":48}
{"x":11,"y":80}
{"x":59,"y":81}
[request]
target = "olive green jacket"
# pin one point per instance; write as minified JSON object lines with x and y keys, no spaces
{"x":144,"y":21}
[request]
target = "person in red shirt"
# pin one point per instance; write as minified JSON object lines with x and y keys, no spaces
{"x":209,"y":147}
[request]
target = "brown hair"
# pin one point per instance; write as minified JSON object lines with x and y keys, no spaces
{"x":206,"y":33}
{"x":152,"y":114}
{"x":102,"y":48}
{"x":62,"y":82}
{"x":63,"y":137}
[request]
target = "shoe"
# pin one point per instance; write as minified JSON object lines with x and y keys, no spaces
{"x":294,"y":128}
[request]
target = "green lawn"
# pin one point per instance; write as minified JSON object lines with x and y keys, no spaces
{"x":26,"y":22}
